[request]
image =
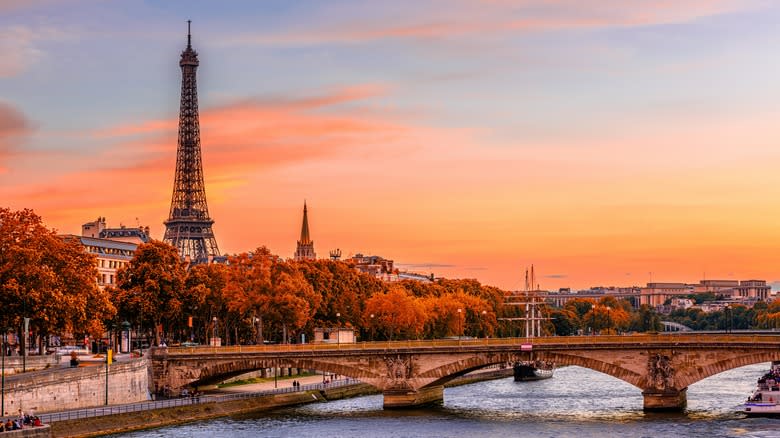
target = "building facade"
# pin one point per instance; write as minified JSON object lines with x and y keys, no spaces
{"x":113,"y":247}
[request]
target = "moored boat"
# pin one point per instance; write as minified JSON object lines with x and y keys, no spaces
{"x":765,"y":400}
{"x":533,"y":370}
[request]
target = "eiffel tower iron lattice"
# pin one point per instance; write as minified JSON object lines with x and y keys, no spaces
{"x":188,"y":227}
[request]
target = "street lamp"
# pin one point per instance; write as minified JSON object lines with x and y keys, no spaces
{"x":108,"y":359}
{"x":609,"y":319}
{"x":484,"y":316}
{"x":728,"y":315}
{"x":372,"y":327}
{"x":214,"y":338}
{"x":460,"y":323}
{"x":2,"y":391}
{"x":338,"y":328}
{"x":257,"y":332}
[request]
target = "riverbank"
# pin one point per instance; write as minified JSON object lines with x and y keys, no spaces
{"x":132,"y":421}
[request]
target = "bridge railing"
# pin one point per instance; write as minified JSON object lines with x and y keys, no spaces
{"x":79,"y":414}
{"x":661,"y":338}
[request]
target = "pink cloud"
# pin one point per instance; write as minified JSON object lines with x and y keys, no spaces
{"x":14,"y":126}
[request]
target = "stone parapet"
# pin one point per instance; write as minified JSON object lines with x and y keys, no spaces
{"x":16,"y":364}
{"x":29,"y":432}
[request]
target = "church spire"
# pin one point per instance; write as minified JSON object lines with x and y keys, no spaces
{"x":305,"y":249}
{"x":305,"y":239}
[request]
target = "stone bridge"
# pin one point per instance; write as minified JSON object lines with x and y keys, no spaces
{"x":412,"y":373}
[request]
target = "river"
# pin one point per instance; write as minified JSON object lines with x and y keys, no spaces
{"x":577,"y":402}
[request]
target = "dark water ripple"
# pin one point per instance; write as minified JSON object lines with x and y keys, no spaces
{"x":576,"y":403}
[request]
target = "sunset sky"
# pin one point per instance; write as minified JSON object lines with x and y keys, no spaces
{"x":601,"y":141}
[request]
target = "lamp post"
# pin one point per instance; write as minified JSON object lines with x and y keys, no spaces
{"x":257,"y":332}
{"x":2,"y":376}
{"x":609,"y":319}
{"x":484,"y":317}
{"x":24,"y":341}
{"x":338,"y":328}
{"x":460,"y":323}
{"x":214,"y":337}
{"x":728,"y":316}
{"x":108,"y":360}
{"x":372,"y":328}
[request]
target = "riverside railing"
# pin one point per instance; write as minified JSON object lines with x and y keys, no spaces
{"x":184,"y":401}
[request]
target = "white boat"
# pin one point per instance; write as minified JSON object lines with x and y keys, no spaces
{"x":765,"y":400}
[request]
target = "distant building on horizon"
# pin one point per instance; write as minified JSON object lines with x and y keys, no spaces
{"x":665,"y":296}
{"x":113,"y":247}
{"x":305,"y":247}
{"x":98,"y":229}
{"x":384,"y":269}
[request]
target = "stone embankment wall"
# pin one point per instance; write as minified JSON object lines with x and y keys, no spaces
{"x":62,"y":389}
{"x":130,"y":421}
{"x":28,"y":432}
{"x":15,"y":364}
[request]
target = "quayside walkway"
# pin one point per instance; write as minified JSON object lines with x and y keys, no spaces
{"x":79,"y":414}
{"x":411,"y":373}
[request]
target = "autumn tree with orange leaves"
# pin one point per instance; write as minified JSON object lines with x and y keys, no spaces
{"x":48,"y":278}
{"x":397,"y":314}
{"x":262,"y":286}
{"x":150,"y":289}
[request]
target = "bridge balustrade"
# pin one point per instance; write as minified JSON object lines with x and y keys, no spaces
{"x":680,"y":338}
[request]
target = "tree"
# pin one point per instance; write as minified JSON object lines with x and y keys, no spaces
{"x":205,"y":298}
{"x":645,"y":320}
{"x":397,"y":314}
{"x":261,"y":285}
{"x":150,"y":289}
{"x":565,"y":322}
{"x":48,"y":278}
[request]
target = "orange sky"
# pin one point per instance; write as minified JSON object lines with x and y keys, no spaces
{"x":600,"y":146}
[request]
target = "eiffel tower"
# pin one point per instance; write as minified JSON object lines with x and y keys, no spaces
{"x":188,"y":227}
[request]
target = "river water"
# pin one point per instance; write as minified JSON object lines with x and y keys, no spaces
{"x":577,"y":402}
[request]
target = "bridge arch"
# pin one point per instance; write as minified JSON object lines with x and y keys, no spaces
{"x":661,"y":365}
{"x":747,"y":358}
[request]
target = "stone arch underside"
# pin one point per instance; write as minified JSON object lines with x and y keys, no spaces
{"x":741,"y":359}
{"x":184,"y":373}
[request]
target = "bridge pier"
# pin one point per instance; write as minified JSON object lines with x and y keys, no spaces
{"x":409,"y":398}
{"x":669,"y":400}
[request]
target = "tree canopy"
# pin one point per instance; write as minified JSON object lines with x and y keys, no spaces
{"x":48,"y":278}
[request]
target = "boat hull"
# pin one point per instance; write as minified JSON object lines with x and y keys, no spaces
{"x":527,"y":373}
{"x":761,"y":410}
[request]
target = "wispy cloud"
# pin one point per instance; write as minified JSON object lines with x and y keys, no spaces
{"x":480,"y":18}
{"x":20,"y":45}
{"x":14,"y":126}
